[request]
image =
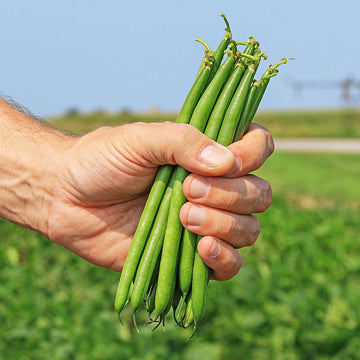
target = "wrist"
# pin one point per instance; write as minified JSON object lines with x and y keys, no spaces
{"x":29,"y":161}
{"x":41,"y":191}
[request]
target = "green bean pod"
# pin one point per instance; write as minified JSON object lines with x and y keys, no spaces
{"x":194,"y":94}
{"x":176,"y":301}
{"x":259,"y":95}
{"x":173,"y":293}
{"x":198,"y":288}
{"x":249,"y":110}
{"x":150,"y":299}
{"x":155,"y":196}
{"x":224,"y":99}
{"x":234,"y":111}
{"x":150,"y":296}
{"x":219,"y":53}
{"x":152,"y":250}
{"x":201,"y":271}
{"x":168,"y":263}
{"x":178,"y":198}
{"x":174,"y":227}
{"x":204,"y":107}
{"x":141,"y":235}
{"x":163,"y":269}
{"x":186,"y":262}
{"x":189,"y":314}
{"x":258,"y":88}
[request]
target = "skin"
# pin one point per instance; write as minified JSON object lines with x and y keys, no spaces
{"x":87,"y":193}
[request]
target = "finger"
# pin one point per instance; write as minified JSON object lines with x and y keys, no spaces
{"x":243,"y":195}
{"x":251,"y":151}
{"x":168,"y":143}
{"x":224,"y":261}
{"x":237,"y":230}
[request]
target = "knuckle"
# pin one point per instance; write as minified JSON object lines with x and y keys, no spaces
{"x":264,"y":148}
{"x":187,"y":140}
{"x":268,"y":196}
{"x":230,"y":228}
{"x":269,"y":142}
{"x":265,"y":200}
{"x":180,"y":134}
{"x":268,"y":139}
{"x":254,"y":232}
{"x":101,"y":132}
{"x":185,"y":132}
{"x":236,"y":265}
{"x":234,"y":198}
{"x":232,"y":266}
{"x":265,"y":137}
{"x":259,"y":156}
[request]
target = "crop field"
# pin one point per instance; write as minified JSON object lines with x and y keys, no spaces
{"x":295,"y":298}
{"x":329,"y":123}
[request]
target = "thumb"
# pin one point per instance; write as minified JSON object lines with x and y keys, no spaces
{"x":168,"y":143}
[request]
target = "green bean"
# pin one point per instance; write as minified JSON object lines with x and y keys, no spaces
{"x":171,"y":298}
{"x":203,"y":109}
{"x":150,"y":299}
{"x":198,"y":87}
{"x":255,"y":98}
{"x":168,"y":263}
{"x":163,"y":269}
{"x":201,"y":271}
{"x":176,"y":298}
{"x":141,"y":235}
{"x":233,"y":113}
{"x":199,"y":284}
{"x":155,"y":196}
{"x":219,"y":53}
{"x":249,"y":107}
{"x":174,"y":227}
{"x":189,"y":314}
{"x":186,"y":263}
{"x":152,"y":250}
{"x":223,"y":101}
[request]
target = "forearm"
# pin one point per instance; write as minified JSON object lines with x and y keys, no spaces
{"x":28,"y":152}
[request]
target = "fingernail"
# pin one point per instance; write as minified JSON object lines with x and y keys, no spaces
{"x":199,"y":188}
{"x":215,"y":249}
{"x":196,"y":216}
{"x":215,"y":155}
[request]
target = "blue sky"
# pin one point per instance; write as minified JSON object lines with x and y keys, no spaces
{"x":135,"y":55}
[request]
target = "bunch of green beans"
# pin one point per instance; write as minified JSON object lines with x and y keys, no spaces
{"x":163,"y":270}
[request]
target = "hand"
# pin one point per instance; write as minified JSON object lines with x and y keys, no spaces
{"x":220,"y":208}
{"x":104,"y":178}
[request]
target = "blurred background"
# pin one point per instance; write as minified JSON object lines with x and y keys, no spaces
{"x":83,"y":64}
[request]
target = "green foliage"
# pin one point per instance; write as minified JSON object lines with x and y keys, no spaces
{"x":312,"y":123}
{"x":334,"y":123}
{"x":80,"y":123}
{"x":295,"y":298}
{"x":314,"y":180}
{"x":297,"y":294}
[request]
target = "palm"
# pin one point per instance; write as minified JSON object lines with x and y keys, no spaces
{"x":100,"y":205}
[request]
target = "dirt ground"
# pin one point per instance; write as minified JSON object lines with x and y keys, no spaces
{"x":318,"y":145}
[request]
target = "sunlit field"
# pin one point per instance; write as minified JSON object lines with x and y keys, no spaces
{"x":330,"y":123}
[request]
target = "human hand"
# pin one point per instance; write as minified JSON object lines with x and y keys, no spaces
{"x":220,"y":208}
{"x":104,"y":178}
